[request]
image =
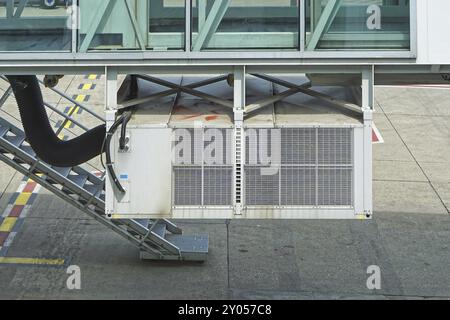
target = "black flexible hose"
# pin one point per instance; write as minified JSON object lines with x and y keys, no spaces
{"x":40,"y":134}
{"x":122,"y":121}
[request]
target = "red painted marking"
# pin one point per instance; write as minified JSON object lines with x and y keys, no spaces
{"x":211,"y":118}
{"x":375,"y":137}
{"x":3,"y":237}
{"x":29,"y":188}
{"x":180,"y":108}
{"x":16,"y":211}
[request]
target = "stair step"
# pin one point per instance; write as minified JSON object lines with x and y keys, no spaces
{"x":192,"y":247}
{"x":79,"y":180}
{"x":143,"y":222}
{"x":62,"y":171}
{"x":15,"y":140}
{"x":93,"y":189}
{"x":160,"y":229}
{"x":29,"y":150}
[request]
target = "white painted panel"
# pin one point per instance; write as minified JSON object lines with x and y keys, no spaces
{"x":433,"y":31}
{"x":146,"y":172}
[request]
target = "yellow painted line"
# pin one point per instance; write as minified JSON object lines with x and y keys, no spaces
{"x":87,"y":86}
{"x":8,"y":224}
{"x":22,"y":199}
{"x":80,"y":98}
{"x":68,"y":125}
{"x":32,"y":261}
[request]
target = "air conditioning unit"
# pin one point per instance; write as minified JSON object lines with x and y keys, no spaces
{"x":296,"y":158}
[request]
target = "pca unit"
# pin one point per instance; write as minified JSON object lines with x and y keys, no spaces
{"x":305,"y":156}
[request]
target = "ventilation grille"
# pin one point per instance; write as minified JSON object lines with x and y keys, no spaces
{"x":290,"y":167}
{"x":202,"y":167}
{"x":315,"y":167}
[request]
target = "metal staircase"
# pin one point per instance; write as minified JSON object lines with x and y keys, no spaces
{"x":156,"y":239}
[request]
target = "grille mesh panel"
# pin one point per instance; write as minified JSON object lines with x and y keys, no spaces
{"x":188,"y":186}
{"x":261,"y":189}
{"x":316,"y":170}
{"x":335,"y":146}
{"x":298,"y":146}
{"x":203,"y":176}
{"x":335,"y":186}
{"x":298,"y":186}
{"x":218,"y":186}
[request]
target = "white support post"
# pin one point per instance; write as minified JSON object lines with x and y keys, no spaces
{"x":111,"y":109}
{"x":367,"y":108}
{"x":239,"y":137}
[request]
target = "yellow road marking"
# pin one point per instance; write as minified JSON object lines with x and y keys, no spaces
{"x":22,"y":199}
{"x":80,"y":98}
{"x":32,"y":261}
{"x":8,"y":224}
{"x":87,"y":86}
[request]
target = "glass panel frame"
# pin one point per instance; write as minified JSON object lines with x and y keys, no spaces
{"x":359,"y":26}
{"x":240,"y":25}
{"x":23,"y":21}
{"x":186,"y":52}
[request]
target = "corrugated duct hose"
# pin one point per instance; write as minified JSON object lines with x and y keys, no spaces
{"x":40,"y":134}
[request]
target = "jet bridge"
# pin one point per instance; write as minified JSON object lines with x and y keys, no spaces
{"x":229,"y":108}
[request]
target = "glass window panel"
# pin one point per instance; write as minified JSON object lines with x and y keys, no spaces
{"x":245,"y":24}
{"x":357,"y":25}
{"x":35,"y":25}
{"x":131,"y":24}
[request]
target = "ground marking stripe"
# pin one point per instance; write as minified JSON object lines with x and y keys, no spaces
{"x":32,"y":261}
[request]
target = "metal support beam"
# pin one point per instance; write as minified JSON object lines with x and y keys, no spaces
{"x":20,"y":8}
{"x":170,"y":92}
{"x":324,"y":23}
{"x":239,"y":137}
{"x":337,"y":102}
{"x":275,"y":98}
{"x":367,"y":107}
{"x":211,"y":24}
{"x":136,"y":27}
{"x":111,"y":88}
{"x":192,"y":92}
{"x":102,"y":13}
{"x":5,"y":96}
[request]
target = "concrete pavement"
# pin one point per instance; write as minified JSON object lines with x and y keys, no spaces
{"x":409,"y":237}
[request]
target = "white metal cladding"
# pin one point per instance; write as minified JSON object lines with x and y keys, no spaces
{"x":204,"y":176}
{"x":316,"y":169}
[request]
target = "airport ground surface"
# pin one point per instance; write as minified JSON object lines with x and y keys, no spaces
{"x":409,"y":237}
